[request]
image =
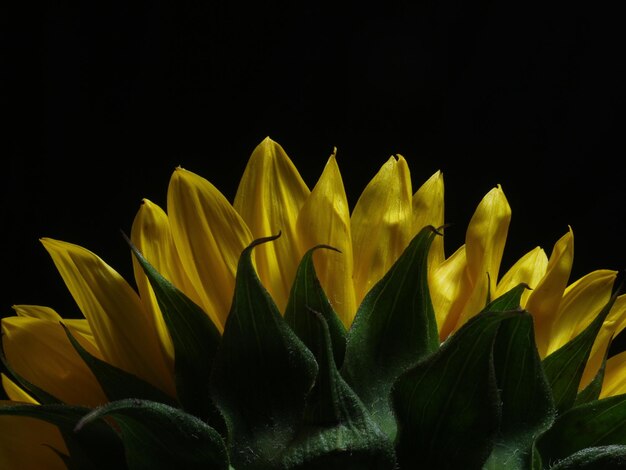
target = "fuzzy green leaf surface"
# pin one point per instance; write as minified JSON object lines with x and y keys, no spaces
{"x":159,"y":437}
{"x":393,"y":330}
{"x":448,"y":405}
{"x":595,"y":458}
{"x":338,"y":432}
{"x":527,"y":405}
{"x":307,"y":296}
{"x":594,"y":424}
{"x":262,"y":374}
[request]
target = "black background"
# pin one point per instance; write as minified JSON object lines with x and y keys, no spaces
{"x":105,"y":100}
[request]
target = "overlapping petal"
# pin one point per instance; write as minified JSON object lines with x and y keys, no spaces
{"x":445,"y":285}
{"x":78,"y":326}
{"x":545,"y":299}
{"x":63,"y":374}
{"x":325,"y":220}
{"x":484,"y":245}
{"x":152,"y":236}
{"x":580,"y":304}
{"x":209,"y":236}
{"x":381,"y":224}
{"x":614,"y":382}
{"x":270,"y":195}
{"x":15,"y":392}
{"x":529,"y":270}
{"x":122,"y":329}
{"x":613,"y":325}
{"x":28,"y":443}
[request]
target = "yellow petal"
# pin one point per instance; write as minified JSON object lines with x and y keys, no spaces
{"x":445,"y":285}
{"x":381,"y":224}
{"x":37,"y":311}
{"x":78,"y":326}
{"x":614,"y":376}
{"x":484,"y":244}
{"x":543,"y":302}
{"x":209,"y":236}
{"x":120,"y":324}
{"x":40,"y":352}
{"x":325,"y":219}
{"x":529,"y":269}
{"x":618,"y":315}
{"x":612,"y":326}
{"x":428,"y":209}
{"x":581,"y":303}
{"x":27,"y":443}
{"x":15,"y":392}
{"x":152,"y":236}
{"x":269,"y":198}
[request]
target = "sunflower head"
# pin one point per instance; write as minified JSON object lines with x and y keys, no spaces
{"x":288,"y":331}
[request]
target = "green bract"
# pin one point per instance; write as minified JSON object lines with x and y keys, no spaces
{"x":300,"y":392}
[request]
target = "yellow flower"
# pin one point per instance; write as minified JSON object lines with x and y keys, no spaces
{"x":196,"y":244}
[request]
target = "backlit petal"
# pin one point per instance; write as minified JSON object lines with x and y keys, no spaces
{"x":27,"y":443}
{"x":381,"y":224}
{"x":325,"y":220}
{"x":40,"y":351}
{"x":76,"y":325}
{"x":445,"y":285}
{"x":15,"y":392}
{"x":484,"y":245}
{"x":209,"y":236}
{"x":618,"y":315}
{"x":152,"y":236}
{"x":544,"y":300}
{"x":612,"y":326}
{"x":614,"y":376}
{"x":581,"y":303}
{"x":529,"y":269}
{"x":428,"y":209}
{"x":121,"y":327}
{"x":269,"y":197}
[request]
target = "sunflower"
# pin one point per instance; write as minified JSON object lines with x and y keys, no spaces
{"x":284,"y":330}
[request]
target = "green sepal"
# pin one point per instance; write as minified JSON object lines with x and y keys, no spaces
{"x":536,"y":463}
{"x":594,"y":424}
{"x":33,"y":390}
{"x":605,"y":457}
{"x":565,"y":366}
{"x":592,"y":391}
{"x":195,"y":339}
{"x":448,"y":407}
{"x":527,"y":404}
{"x":393,"y":330}
{"x":116,"y":383}
{"x":159,"y":437}
{"x":338,"y":432}
{"x":262,"y":373}
{"x":96,"y":447}
{"x":508,"y":301}
{"x":307,"y":295}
